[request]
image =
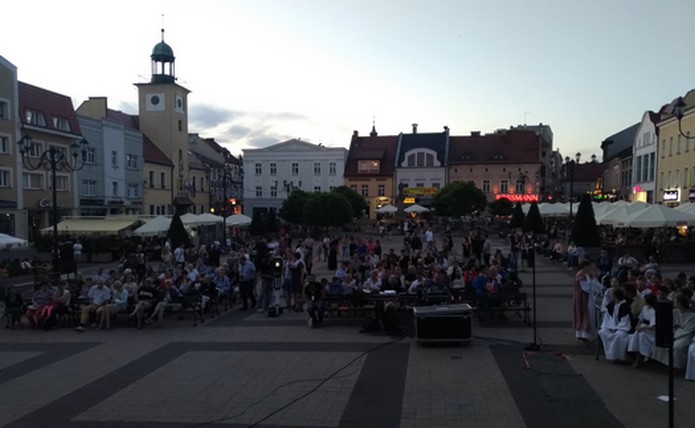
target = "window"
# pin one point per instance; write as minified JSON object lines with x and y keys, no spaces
{"x":368,"y":166}
{"x":429,"y":160}
{"x":151,"y":179}
{"x":317,"y":168}
{"x":163,"y":180}
{"x":32,"y":181}
{"x":5,"y":178}
{"x":273,"y":169}
{"x":365,"y":190}
{"x":504,"y":186}
{"x":133,"y":190}
{"x":91,"y":155}
{"x":61,"y":123}
{"x":638,"y":170}
{"x":317,"y":189}
{"x":652,"y":166}
{"x":419,"y":184}
{"x":273,"y":192}
{"x":259,"y":192}
{"x":519,"y":186}
{"x":89,"y":187}
{"x":180,"y":126}
{"x":670,"y":146}
{"x":114,"y":159}
{"x":62,"y":183}
{"x":131,"y":161}
{"x":353,"y":187}
{"x":4,"y":144}
{"x":114,"y":188}
{"x":332,"y":168}
{"x":34,"y":117}
{"x":259,"y":169}
{"x":420,"y":158}
{"x":435,"y":186}
{"x":4,"y":109}
{"x":678,"y":145}
{"x":34,"y":150}
{"x":331,"y":188}
{"x":381,"y":190}
{"x":295,"y":168}
{"x":411,"y":160}
{"x":152,"y":210}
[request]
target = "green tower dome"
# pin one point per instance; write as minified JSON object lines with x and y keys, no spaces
{"x":162,"y":52}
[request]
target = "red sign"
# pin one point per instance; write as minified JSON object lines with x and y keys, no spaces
{"x":517,"y":197}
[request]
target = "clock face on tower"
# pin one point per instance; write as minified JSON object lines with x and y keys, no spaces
{"x":155,"y":102}
{"x":179,"y":105}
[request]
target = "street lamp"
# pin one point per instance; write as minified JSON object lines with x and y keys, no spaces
{"x":571,"y":164}
{"x":53,"y":159}
{"x":679,"y":112}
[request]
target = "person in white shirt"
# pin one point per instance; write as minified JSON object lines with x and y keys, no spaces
{"x":180,"y":255}
{"x":99,"y":296}
{"x":77,"y":250}
{"x":373,"y":283}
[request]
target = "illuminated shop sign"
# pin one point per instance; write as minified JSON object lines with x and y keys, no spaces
{"x":518,"y":197}
{"x":672,"y":195}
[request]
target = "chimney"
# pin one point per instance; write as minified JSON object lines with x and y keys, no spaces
{"x":475,"y":133}
{"x":446,"y":129}
{"x":414,"y":128}
{"x":355,"y":134}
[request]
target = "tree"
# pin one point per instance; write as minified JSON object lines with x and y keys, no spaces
{"x":271,"y":222}
{"x":292,"y":210}
{"x":459,"y":199}
{"x":177,"y":233}
{"x":501,"y":207}
{"x":359,"y":205}
{"x":534,"y":221}
{"x":517,"y":217}
{"x":257,"y":224}
{"x":328,"y":209}
{"x":584,"y":230}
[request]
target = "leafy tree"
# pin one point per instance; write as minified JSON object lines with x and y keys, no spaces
{"x":359,"y":205}
{"x":502,"y":207}
{"x":271,"y":222}
{"x":517,"y":217}
{"x":534,"y":222}
{"x":292,"y":210}
{"x":328,"y":209}
{"x":584,"y":230}
{"x":458,"y":199}
{"x":177,"y":233}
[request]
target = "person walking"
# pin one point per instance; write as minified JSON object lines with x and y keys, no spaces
{"x":247,"y":280}
{"x":586,"y":286}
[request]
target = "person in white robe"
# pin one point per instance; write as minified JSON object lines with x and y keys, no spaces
{"x":641,"y":342}
{"x":615,"y":327}
{"x":690,"y":363}
{"x":684,"y":330}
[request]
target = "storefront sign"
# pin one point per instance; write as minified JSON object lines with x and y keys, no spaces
{"x":408,"y":200}
{"x":518,"y":197}
{"x":672,"y":195}
{"x":420,"y":191}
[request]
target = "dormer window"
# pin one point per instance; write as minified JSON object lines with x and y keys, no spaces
{"x":61,"y":123}
{"x":420,"y":158}
{"x":34,"y":117}
{"x":368,"y":166}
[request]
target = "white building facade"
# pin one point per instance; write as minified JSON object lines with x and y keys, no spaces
{"x":272,"y":173}
{"x":645,"y":160}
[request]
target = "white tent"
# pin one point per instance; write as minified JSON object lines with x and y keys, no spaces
{"x":554,"y":210}
{"x":157,"y":226}
{"x":387,"y":209}
{"x":687,"y":207}
{"x":416,"y":208}
{"x":658,"y":216}
{"x":237,"y":220}
{"x":208,"y":218}
{"x":7,"y":241}
{"x":617,"y":215}
{"x":189,"y":219}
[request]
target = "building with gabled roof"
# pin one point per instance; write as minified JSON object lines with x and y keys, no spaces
{"x":369,"y":169}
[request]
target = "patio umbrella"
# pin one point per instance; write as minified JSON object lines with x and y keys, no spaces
{"x":416,"y":208}
{"x":387,"y":209}
{"x":189,"y":219}
{"x":687,"y":207}
{"x":617,"y":215}
{"x":555,"y":210}
{"x":658,"y":216}
{"x":208,"y":218}
{"x":7,"y":241}
{"x":237,"y":220}
{"x":157,"y":226}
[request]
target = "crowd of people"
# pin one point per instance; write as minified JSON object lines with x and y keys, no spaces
{"x":620,"y":305}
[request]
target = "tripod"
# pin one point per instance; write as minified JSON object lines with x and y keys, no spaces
{"x":275,"y":306}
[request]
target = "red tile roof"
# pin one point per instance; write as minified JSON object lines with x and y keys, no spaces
{"x":127,"y":120}
{"x":152,"y":154}
{"x":194,"y":162}
{"x":509,"y":147}
{"x":381,"y":148}
{"x":51,"y":104}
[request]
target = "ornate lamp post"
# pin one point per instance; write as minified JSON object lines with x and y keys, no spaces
{"x":53,"y":159}
{"x":571,"y":164}
{"x":679,"y":112}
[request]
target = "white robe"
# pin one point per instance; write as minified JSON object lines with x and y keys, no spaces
{"x":614,"y":332}
{"x":643,"y":341}
{"x":594,"y":289}
{"x":690,"y":364}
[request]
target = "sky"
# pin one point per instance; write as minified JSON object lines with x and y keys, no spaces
{"x":265,"y":71}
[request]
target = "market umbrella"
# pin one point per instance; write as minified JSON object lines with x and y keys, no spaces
{"x":554,"y":210}
{"x":157,"y":226}
{"x":208,"y":218}
{"x":7,"y":241}
{"x":617,"y":215}
{"x":416,"y":208}
{"x":387,"y":209}
{"x":238,"y":220}
{"x":658,"y":216}
{"x":687,"y":207}
{"x":189,"y":219}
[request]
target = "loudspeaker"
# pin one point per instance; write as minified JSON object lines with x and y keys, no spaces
{"x":664,"y":323}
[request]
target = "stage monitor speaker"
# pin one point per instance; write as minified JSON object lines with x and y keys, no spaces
{"x":664,"y":323}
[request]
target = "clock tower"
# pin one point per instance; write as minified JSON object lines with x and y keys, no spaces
{"x":163,"y":113}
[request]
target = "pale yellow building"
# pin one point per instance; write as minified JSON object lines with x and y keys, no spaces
{"x":12,"y":217}
{"x":158,"y":170}
{"x":676,"y":155}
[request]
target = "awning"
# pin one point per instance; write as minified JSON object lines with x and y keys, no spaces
{"x":91,"y":225}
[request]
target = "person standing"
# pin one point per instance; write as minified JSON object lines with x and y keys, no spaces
{"x":77,"y":251}
{"x":247,"y":279}
{"x":586,"y":286}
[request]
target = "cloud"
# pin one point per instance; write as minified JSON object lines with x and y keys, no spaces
{"x":210,"y":116}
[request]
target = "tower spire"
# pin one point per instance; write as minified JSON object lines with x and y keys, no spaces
{"x":373,"y":133}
